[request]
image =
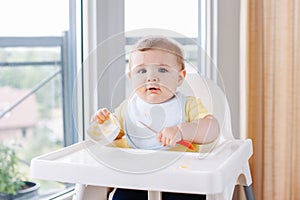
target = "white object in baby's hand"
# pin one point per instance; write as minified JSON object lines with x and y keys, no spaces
{"x":104,"y":133}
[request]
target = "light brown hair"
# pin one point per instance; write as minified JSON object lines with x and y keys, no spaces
{"x":161,"y":43}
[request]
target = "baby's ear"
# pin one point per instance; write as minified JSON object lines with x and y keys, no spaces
{"x":128,"y":70}
{"x":181,"y":76}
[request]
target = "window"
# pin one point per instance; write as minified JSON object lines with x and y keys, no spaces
{"x":37,"y":71}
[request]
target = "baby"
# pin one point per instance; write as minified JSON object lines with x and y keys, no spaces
{"x":156,"y":70}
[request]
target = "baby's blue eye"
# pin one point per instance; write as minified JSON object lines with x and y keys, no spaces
{"x":162,"y":70}
{"x":141,"y":71}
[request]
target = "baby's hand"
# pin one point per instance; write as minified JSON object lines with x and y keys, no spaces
{"x":101,"y":115}
{"x":169,"y":136}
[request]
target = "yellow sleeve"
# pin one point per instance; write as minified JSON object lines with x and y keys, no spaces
{"x":119,"y":113}
{"x":194,"y":109}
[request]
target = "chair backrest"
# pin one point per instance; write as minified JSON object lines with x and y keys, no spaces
{"x":213,"y":98}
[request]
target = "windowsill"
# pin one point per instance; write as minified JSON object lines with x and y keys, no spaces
{"x":64,"y":195}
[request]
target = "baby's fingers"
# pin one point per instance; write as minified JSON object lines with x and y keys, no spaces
{"x":158,"y":136}
{"x":105,"y":112}
{"x":165,"y":141}
{"x":162,"y":139}
{"x":101,"y":115}
{"x":100,"y":118}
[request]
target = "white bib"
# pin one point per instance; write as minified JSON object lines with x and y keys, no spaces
{"x":157,"y":116}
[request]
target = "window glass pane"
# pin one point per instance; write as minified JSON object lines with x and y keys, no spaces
{"x":35,"y":125}
{"x":33,"y":17}
{"x":31,"y":94}
{"x":178,"y":16}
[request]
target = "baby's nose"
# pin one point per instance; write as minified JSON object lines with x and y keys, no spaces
{"x":153,"y":79}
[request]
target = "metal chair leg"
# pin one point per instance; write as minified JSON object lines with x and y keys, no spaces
{"x":249,"y":192}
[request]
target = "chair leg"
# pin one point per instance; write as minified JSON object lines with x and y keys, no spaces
{"x":227,"y":194}
{"x":249,"y":192}
{"x":83,"y":192}
{"x":154,"y":195}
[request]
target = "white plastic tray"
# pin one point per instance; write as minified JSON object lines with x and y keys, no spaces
{"x":92,"y":164}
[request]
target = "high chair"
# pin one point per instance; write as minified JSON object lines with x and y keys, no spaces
{"x":214,"y":171}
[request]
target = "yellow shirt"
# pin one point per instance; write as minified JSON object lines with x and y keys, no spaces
{"x":194,"y":110}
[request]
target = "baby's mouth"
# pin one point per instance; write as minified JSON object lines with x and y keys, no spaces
{"x":153,"y":89}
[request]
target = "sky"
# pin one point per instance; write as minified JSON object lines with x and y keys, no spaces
{"x":33,"y":17}
{"x":50,"y":17}
{"x":180,"y":16}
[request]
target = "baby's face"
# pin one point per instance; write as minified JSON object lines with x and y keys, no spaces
{"x":155,"y":75}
